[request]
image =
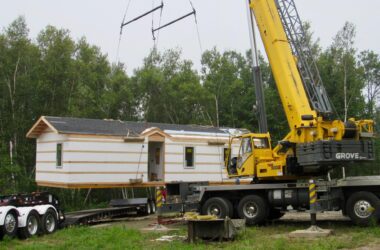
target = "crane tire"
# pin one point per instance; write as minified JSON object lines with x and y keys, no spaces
{"x":218,"y":206}
{"x":361,"y":207}
{"x":254,"y":209}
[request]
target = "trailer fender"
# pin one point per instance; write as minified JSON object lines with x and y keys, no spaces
{"x":41,"y":209}
{"x":23,"y":215}
{"x":4,"y":210}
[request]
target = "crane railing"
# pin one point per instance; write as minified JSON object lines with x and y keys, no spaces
{"x":305,"y":60}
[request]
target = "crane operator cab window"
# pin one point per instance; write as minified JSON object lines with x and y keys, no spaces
{"x":248,"y":145}
{"x":245,"y":151}
{"x":260,"y":143}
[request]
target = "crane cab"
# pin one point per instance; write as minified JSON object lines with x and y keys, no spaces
{"x":252,"y":158}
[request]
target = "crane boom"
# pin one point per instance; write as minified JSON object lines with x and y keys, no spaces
{"x":307,"y":67}
{"x":289,"y":83}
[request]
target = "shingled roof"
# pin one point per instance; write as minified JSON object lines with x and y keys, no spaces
{"x":70,"y":125}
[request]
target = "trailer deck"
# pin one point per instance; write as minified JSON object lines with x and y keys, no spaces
{"x":119,"y":208}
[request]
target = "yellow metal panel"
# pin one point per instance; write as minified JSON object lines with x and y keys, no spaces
{"x":281,"y":59}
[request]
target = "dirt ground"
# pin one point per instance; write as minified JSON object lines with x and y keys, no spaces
{"x":301,"y":218}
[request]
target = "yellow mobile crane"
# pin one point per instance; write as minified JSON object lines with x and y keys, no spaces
{"x":316,"y":142}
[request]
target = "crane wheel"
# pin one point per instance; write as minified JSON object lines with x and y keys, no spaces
{"x":10,"y":225}
{"x":254,"y":209}
{"x":33,"y":226}
{"x":49,"y":222}
{"x":218,"y":206}
{"x":361,"y":207}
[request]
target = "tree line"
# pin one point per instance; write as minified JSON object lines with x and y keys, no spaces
{"x":56,"y":75}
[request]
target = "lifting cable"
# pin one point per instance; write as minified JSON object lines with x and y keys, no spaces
{"x":194,"y":12}
{"x":172,"y":22}
{"x":155,"y":39}
{"x":123,"y":23}
{"x":141,"y":16}
{"x":154,"y":30}
{"x":121,"y":31}
{"x":196,"y":26}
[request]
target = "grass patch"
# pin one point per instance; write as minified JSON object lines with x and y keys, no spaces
{"x":269,"y":237}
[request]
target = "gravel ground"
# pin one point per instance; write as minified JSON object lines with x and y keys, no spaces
{"x":303,"y":216}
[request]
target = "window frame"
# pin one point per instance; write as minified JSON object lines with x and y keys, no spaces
{"x":60,"y":161}
{"x":225,"y":152}
{"x":184,"y":157}
{"x":243,"y":145}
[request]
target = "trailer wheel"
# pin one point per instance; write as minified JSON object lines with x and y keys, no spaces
{"x":10,"y":225}
{"x":275,"y":214}
{"x":254,"y":209}
{"x":361,"y":207}
{"x":148,"y":209}
{"x":49,"y":222}
{"x":152,"y":207}
{"x":217,"y":206}
{"x":32,"y":227}
{"x":144,"y":210}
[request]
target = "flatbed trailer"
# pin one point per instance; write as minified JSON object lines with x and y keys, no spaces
{"x":119,"y":208}
{"x":357,"y":197}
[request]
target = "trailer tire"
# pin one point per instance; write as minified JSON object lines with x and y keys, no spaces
{"x":275,"y":214}
{"x":144,"y":210}
{"x":10,"y":225}
{"x":33,"y":226}
{"x":357,"y":207}
{"x":152,"y":206}
{"x":217,"y":206}
{"x":254,"y":209}
{"x":49,"y":222}
{"x":148,"y":209}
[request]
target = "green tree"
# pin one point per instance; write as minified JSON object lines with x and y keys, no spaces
{"x":56,"y":72}
{"x":370,"y":63}
{"x":228,"y":79}
{"x":341,"y":75}
{"x":89,"y":82}
{"x":19,"y":62}
{"x":344,"y":55}
{"x":169,"y":90}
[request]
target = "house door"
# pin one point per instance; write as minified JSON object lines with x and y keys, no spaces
{"x":155,"y":161}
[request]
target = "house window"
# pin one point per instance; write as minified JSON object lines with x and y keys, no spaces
{"x":59,"y":155}
{"x":225,"y":155}
{"x":189,"y":157}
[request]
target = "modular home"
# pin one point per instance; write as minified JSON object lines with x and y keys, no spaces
{"x":94,"y":153}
